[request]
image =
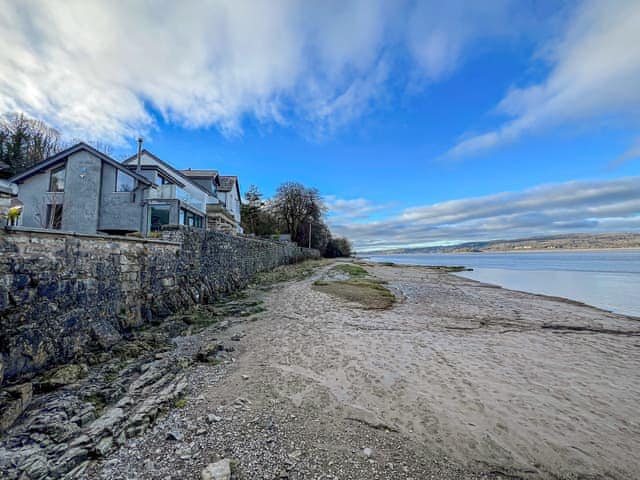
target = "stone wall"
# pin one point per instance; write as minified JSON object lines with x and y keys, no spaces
{"x":64,"y":295}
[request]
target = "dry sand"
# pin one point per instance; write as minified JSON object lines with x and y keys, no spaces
{"x":461,"y":371}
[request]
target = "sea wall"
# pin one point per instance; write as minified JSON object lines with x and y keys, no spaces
{"x":63,"y":295}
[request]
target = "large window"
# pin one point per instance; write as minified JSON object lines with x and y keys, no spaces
{"x":124,"y":182}
{"x":159,"y":216}
{"x":54,"y":216}
{"x":190,"y":219}
{"x":56,"y":182}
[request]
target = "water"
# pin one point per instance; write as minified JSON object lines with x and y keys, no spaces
{"x":608,"y":279}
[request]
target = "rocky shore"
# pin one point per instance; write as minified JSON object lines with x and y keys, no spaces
{"x":307,"y":375}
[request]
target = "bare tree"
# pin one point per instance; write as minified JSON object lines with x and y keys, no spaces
{"x":26,"y":141}
{"x":295,"y":204}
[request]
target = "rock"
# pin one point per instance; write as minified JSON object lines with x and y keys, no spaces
{"x":245,"y":377}
{"x":103,"y":446}
{"x":368,"y":452}
{"x":211,"y":418}
{"x":236,"y":338}
{"x":217,"y":471}
{"x":13,"y":401}
{"x":296,"y":454}
{"x":208,"y":353}
{"x":64,"y":376}
{"x":175,"y":435}
{"x":104,"y":334}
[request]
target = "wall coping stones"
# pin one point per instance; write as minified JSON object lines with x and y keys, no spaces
{"x":97,"y":236}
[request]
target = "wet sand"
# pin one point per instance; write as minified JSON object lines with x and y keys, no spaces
{"x":468,"y":370}
{"x":478,"y":379}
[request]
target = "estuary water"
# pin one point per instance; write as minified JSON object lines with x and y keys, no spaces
{"x":607,"y":279}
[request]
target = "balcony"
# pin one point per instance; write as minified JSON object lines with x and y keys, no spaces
{"x":173,"y":192}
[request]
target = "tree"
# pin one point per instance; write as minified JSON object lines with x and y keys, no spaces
{"x":294,"y":205}
{"x":338,"y":247}
{"x":320,"y":235}
{"x":25,"y":141}
{"x":250,"y":210}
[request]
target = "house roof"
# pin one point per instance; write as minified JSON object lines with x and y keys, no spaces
{"x":200,"y":173}
{"x":171,"y":169}
{"x":227,"y":182}
{"x":8,"y":188}
{"x":165,"y":174}
{"x":59,"y":157}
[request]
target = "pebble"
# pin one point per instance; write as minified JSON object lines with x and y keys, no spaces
{"x":217,"y":471}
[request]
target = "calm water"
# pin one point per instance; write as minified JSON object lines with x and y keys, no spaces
{"x":605,"y":279}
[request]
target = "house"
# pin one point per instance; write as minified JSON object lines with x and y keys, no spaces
{"x":223,"y":212}
{"x":83,"y":190}
{"x":229,"y":195}
{"x":175,"y":198}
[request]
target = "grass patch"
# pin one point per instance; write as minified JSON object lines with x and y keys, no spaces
{"x":98,"y":401}
{"x":285,"y":273}
{"x":180,"y":403}
{"x":351,"y":270}
{"x":368,"y":293}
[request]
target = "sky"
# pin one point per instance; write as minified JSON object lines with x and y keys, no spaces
{"x":421,"y":123}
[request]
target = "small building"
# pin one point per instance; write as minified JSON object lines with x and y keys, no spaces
{"x":175,"y":198}
{"x":222,"y":212}
{"x":83,"y":190}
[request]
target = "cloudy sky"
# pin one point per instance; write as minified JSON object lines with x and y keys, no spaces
{"x":421,"y":123}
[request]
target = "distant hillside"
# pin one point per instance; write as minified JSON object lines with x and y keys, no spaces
{"x":557,"y":242}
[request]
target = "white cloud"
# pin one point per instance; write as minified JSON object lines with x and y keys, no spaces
{"x":348,"y":210}
{"x":585,"y":206}
{"x":595,"y":75}
{"x":99,"y":69}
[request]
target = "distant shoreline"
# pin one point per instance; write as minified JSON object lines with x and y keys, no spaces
{"x":520,"y":250}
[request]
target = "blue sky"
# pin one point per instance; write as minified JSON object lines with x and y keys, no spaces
{"x":419,"y":123}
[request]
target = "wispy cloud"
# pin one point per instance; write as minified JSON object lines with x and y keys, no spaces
{"x":585,"y":206}
{"x":631,"y":153}
{"x":104,"y":69}
{"x":594,"y":74}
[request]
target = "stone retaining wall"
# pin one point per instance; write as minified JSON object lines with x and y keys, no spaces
{"x":63,"y":295}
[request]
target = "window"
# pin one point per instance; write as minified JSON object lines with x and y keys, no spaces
{"x":159,"y":216}
{"x":190,"y":219}
{"x":124,"y":182}
{"x":56,"y":182}
{"x":54,"y":216}
{"x":160,"y":180}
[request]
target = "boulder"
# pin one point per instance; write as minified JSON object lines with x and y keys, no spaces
{"x":13,"y":401}
{"x":217,"y":471}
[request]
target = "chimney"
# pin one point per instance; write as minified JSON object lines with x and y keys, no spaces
{"x":139,"y":154}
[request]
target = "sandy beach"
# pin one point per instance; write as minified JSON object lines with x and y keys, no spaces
{"x":456,"y":380}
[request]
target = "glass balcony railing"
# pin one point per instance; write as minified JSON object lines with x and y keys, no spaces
{"x":173,"y":192}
